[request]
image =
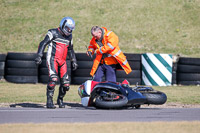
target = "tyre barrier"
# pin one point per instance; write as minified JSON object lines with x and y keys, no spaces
{"x":21,"y":68}
{"x":174,"y":73}
{"x":2,"y":65}
{"x":135,"y":77}
{"x":188,"y":71}
{"x":82,"y":73}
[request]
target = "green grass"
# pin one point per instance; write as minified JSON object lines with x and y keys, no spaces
{"x":169,"y":26}
{"x":181,"y":94}
{"x":36,"y":93}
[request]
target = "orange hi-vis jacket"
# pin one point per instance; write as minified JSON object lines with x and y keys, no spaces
{"x":111,"y":48}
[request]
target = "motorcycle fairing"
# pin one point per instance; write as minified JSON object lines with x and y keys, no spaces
{"x":107,"y":85}
{"x":88,"y":87}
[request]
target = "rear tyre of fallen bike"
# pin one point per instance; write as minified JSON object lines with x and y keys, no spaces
{"x":155,"y":97}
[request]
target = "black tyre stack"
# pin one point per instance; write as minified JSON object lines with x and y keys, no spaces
{"x":2,"y":65}
{"x":188,"y":72}
{"x":135,"y":76}
{"x":43,"y":75}
{"x":174,"y":73}
{"x":21,"y":68}
{"x":82,"y":74}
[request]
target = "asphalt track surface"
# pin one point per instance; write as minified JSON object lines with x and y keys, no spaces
{"x":74,"y":114}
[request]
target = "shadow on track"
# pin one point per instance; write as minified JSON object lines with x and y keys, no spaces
{"x":38,"y":105}
{"x":77,"y":106}
{"x":27,"y":105}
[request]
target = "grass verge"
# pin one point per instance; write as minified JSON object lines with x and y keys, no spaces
{"x":169,"y":26}
{"x":36,"y":93}
{"x":111,"y":127}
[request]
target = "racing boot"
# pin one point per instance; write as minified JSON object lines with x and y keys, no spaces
{"x":61,"y":94}
{"x":50,"y":104}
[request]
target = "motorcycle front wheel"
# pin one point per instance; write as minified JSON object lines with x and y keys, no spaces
{"x":101,"y":102}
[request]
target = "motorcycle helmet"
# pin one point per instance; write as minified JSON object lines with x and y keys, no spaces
{"x":67,"y":25}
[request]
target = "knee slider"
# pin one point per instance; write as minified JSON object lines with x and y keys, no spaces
{"x":52,"y":83}
{"x":65,"y":85}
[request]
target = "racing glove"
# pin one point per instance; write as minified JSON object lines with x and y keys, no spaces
{"x":38,"y":60}
{"x":74,"y":65}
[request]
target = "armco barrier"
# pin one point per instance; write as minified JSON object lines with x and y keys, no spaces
{"x":20,"y":68}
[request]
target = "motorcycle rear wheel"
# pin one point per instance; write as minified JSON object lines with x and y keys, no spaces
{"x":155,"y":97}
{"x":109,"y":104}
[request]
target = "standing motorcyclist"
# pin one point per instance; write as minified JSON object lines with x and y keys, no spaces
{"x":60,"y":42}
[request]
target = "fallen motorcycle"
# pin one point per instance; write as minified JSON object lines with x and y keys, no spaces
{"x":111,"y":95}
